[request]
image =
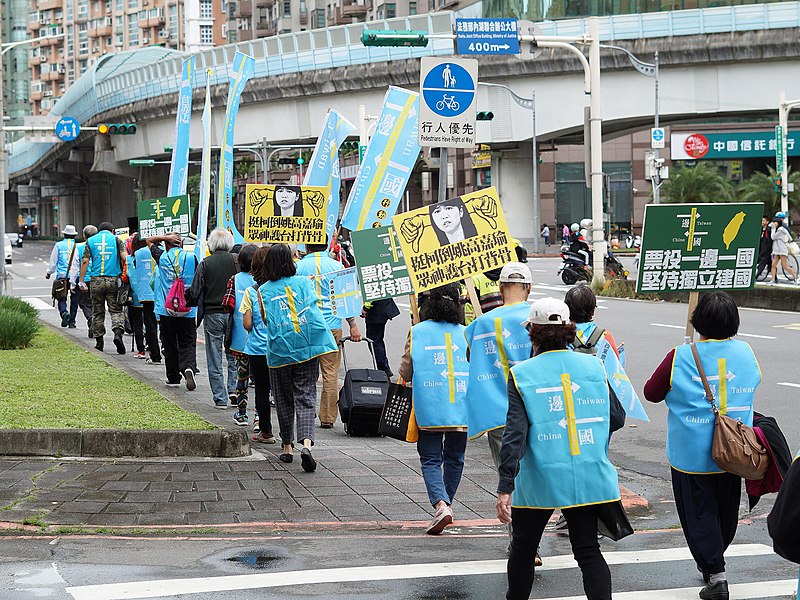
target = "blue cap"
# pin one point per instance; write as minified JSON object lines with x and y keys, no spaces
{"x":780,"y":215}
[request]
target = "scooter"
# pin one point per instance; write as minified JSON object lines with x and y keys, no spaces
{"x":574,"y":269}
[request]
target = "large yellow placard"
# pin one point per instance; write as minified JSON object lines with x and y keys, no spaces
{"x":454,"y":239}
{"x":285,"y":214}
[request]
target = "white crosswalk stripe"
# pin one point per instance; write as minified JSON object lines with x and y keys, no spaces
{"x":178,"y":587}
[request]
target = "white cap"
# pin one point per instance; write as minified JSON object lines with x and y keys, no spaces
{"x":70,"y":230}
{"x":548,"y":311}
{"x":516,"y":272}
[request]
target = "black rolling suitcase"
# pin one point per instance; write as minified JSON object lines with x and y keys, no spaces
{"x":362,"y":396}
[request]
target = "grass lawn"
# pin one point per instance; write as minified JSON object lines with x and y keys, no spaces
{"x":56,"y":384}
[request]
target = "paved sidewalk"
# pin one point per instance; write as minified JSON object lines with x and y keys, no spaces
{"x":359,"y":482}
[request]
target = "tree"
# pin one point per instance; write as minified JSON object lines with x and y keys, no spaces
{"x":701,"y":183}
{"x":760,"y":187}
{"x":193,"y":187}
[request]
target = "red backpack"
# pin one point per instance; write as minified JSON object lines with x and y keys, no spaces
{"x":175,"y":302}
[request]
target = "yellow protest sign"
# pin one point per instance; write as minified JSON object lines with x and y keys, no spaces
{"x":454,"y":239}
{"x":285,"y":214}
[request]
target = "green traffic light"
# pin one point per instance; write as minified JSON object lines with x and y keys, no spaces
{"x":300,"y":161}
{"x":485,"y":116}
{"x":167,"y":148}
{"x":389,"y":37}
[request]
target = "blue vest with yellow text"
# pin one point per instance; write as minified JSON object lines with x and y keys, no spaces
{"x":140,"y":270}
{"x":65,"y":247}
{"x":497,"y":341}
{"x":172,"y":263}
{"x":733,"y":373}
{"x":441,"y":373}
{"x":105,"y":255}
{"x":317,"y":265}
{"x":296,"y":328}
{"x":241,"y":282}
{"x":257,"y":341}
{"x":565,"y":463}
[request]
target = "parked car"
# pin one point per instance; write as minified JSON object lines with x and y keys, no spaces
{"x":7,"y":248}
{"x":16,"y":239}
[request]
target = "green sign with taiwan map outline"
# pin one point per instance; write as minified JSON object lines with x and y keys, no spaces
{"x":696,"y":247}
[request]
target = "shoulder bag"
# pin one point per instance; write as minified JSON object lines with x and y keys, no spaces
{"x":735,"y":448}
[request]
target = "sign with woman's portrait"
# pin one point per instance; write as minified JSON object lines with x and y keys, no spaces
{"x":454,"y":239}
{"x":285,"y":214}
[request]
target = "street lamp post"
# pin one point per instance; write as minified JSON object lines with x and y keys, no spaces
{"x":529,"y":104}
{"x":784,"y":108}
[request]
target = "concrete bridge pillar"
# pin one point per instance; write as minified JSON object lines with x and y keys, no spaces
{"x":512,"y":175}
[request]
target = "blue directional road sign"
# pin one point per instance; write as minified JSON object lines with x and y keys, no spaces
{"x":657,"y":137}
{"x":487,"y":36}
{"x":67,"y":129}
{"x":447,"y":110}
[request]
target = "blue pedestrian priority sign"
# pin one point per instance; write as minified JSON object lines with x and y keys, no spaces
{"x":448,"y":107}
{"x":657,"y":138}
{"x":67,"y":129}
{"x":487,"y":36}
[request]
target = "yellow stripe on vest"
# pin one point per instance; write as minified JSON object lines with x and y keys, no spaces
{"x":722,"y":391}
{"x":569,"y":405}
{"x":292,"y":309}
{"x":451,"y":376}
{"x":501,"y":347}
{"x":690,"y":236}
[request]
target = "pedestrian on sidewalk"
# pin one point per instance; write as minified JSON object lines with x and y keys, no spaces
{"x":764,"y":247}
{"x":79,"y":298}
{"x":103,"y":259}
{"x":780,"y":248}
{"x":433,"y":346}
{"x":540,"y":466}
{"x":139,"y":275}
{"x":316,"y":265}
{"x":706,"y":497}
{"x":565,"y":233}
{"x":206,"y":292}
{"x":60,"y":262}
{"x":145,"y":271}
{"x":545,"y":234}
{"x":297,"y":335}
{"x":376,"y":314}
{"x":178,"y":332}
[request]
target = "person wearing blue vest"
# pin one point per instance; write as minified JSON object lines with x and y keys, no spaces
{"x":315,"y":265}
{"x":79,"y":298}
{"x":178,"y":332}
{"x":60,"y":259}
{"x":103,"y":259}
{"x":250,"y":347}
{"x":140,"y":269}
{"x":707,"y":498}
{"x":145,"y":273}
{"x":297,"y":335}
{"x":555,"y":451}
{"x":435,"y":362}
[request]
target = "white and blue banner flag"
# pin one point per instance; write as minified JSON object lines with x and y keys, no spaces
{"x":619,"y":382}
{"x":179,"y":167}
{"x":323,"y":168}
{"x":205,"y":179}
{"x":389,"y":160}
{"x":243,"y":67}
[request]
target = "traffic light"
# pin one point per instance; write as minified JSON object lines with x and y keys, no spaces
{"x":287,"y":160}
{"x":300,"y":160}
{"x":485,"y":115}
{"x":388,"y":37}
{"x":348,"y":146}
{"x":117,"y":128}
{"x":778,"y":185}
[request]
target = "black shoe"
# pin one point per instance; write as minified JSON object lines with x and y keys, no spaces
{"x":119,"y":343}
{"x":310,"y":465}
{"x":98,"y":345}
{"x":287,"y":458}
{"x":64,"y":319}
{"x":191,"y":384}
{"x":89,"y":334}
{"x":72,"y":326}
{"x":718,"y":591}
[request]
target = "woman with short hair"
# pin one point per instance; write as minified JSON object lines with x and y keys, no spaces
{"x":706,"y":497}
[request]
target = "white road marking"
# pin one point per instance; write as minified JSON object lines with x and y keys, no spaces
{"x":161,"y":588}
{"x":667,"y":326}
{"x":38,"y":304}
{"x":750,"y":335}
{"x":758,"y":589}
{"x":787,"y":384}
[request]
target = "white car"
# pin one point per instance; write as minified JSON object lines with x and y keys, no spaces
{"x":7,"y":248}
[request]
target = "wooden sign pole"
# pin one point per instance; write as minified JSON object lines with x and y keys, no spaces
{"x":693,"y":298}
{"x":473,"y":297}
{"x":414,"y":309}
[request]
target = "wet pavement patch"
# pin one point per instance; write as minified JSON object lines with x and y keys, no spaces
{"x":256,"y":559}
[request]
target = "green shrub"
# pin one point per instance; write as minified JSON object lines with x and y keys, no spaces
{"x":11,"y":303}
{"x":16,"y":329}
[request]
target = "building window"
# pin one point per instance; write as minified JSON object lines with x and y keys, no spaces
{"x":133,"y":3}
{"x":133,"y":29}
{"x":173,"y":21}
{"x":119,"y":5}
{"x":83,"y":10}
{"x":287,"y":8}
{"x":207,"y":34}
{"x":412,"y":8}
{"x":391,"y":11}
{"x":206,"y":9}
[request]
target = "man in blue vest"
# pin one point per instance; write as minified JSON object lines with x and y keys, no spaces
{"x":315,"y":265}
{"x":60,"y":258}
{"x":79,"y":298}
{"x":103,"y":258}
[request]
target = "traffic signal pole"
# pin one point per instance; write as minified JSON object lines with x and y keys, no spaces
{"x":784,"y":108}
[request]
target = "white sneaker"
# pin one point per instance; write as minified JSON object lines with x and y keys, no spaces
{"x":442,"y":518}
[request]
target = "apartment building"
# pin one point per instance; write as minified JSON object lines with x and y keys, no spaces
{"x":94,"y":28}
{"x":14,"y":15}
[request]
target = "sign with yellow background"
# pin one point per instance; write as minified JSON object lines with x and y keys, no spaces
{"x":285,"y":214}
{"x":454,"y":239}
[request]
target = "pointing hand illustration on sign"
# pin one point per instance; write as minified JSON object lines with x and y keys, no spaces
{"x":257,"y":198}
{"x":412,"y":229}
{"x":316,"y":200}
{"x":486,"y":208}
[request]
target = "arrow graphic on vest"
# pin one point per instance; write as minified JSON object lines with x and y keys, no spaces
{"x":491,"y":334}
{"x":550,"y":390}
{"x":499,"y":365}
{"x":455,"y":348}
{"x":729,"y":376}
{"x":563,"y":422}
{"x":455,"y":373}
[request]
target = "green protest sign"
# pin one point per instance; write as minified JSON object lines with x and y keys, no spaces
{"x":164,"y":215}
{"x":696,"y":247}
{"x":381,"y":267}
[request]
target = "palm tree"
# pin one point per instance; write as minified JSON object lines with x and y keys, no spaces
{"x":760,"y":187}
{"x":701,"y":183}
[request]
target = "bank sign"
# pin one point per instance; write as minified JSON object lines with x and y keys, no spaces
{"x":730,"y":146}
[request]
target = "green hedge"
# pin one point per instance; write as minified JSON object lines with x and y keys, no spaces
{"x":18,"y":323}
{"x":12,"y":303}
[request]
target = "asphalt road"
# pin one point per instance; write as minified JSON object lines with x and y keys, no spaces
{"x":651,"y":565}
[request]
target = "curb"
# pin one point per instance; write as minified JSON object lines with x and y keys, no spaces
{"x":117,"y":443}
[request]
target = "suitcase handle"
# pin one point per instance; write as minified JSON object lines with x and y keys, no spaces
{"x":363,"y":339}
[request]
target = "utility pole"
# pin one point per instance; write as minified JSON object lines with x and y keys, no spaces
{"x":656,"y":171}
{"x":596,"y":158}
{"x":784,"y":108}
